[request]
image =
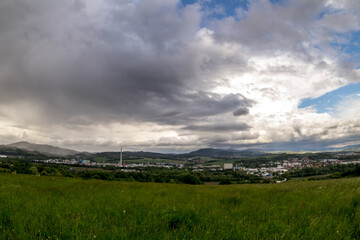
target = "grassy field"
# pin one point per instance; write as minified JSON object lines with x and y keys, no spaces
{"x":64,"y":208}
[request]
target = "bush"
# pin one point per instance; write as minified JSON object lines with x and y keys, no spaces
{"x":225,"y":181}
{"x":335,"y":175}
{"x":267,"y":181}
{"x":352,"y":172}
{"x":190,"y":179}
{"x":34,"y":171}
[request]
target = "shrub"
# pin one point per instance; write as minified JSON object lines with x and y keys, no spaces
{"x":225,"y":181}
{"x":190,"y":179}
{"x":34,"y":171}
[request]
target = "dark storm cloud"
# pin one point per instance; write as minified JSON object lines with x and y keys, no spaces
{"x":241,"y":111}
{"x":228,"y":141}
{"x":102,"y":72}
{"x":128,"y":62}
{"x":268,"y":27}
{"x":312,"y":143}
{"x":196,"y":106}
{"x":219,"y":127}
{"x":8,"y":138}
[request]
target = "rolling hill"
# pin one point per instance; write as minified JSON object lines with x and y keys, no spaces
{"x":213,"y":152}
{"x":45,"y":149}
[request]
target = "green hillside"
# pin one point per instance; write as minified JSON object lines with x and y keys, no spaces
{"x":70,"y":208}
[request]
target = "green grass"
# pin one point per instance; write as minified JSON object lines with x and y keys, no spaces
{"x":64,"y":208}
{"x":4,"y":170}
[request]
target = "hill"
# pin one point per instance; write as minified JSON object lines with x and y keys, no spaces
{"x":206,"y":152}
{"x":26,"y":148}
{"x":17,"y":152}
{"x":213,"y":152}
{"x":128,"y":156}
{"x":71,"y":208}
{"x":350,"y":148}
{"x":45,"y":149}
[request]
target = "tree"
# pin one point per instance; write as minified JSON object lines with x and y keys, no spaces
{"x":190,"y":179}
{"x":34,"y":171}
{"x":225,"y":181}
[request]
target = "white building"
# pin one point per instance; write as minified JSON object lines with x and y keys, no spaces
{"x":228,"y":166}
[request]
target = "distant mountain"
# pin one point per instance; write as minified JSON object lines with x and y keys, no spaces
{"x":213,"y":152}
{"x":114,"y":156}
{"x":45,"y":149}
{"x":205,"y":152}
{"x":350,"y":148}
{"x":252,"y":152}
{"x":17,"y":152}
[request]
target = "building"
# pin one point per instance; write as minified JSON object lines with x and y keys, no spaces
{"x":228,"y":166}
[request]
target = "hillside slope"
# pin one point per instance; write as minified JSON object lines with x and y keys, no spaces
{"x":46,"y":149}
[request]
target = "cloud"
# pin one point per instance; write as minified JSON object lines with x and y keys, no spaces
{"x":218,"y":127}
{"x":134,"y":62}
{"x":241,"y":111}
{"x":158,"y":74}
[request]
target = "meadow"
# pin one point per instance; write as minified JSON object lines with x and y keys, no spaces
{"x":44,"y":207}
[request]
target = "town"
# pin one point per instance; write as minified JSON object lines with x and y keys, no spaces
{"x":267,"y":170}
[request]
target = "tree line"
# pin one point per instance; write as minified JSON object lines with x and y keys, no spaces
{"x":159,"y":175}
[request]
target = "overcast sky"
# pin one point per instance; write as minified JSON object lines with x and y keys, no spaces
{"x":174,"y":76}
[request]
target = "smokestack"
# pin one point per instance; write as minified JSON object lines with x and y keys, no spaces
{"x":121,"y":163}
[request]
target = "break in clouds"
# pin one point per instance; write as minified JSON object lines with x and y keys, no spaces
{"x":161,"y":75}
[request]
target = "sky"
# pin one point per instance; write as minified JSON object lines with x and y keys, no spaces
{"x":175,"y":76}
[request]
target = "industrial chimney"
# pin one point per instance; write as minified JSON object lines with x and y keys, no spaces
{"x":120,"y":163}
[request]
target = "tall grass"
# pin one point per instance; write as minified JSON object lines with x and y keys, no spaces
{"x":63,"y":208}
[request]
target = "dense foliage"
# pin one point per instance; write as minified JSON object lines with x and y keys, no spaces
{"x":160,"y":175}
{"x":306,"y":172}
